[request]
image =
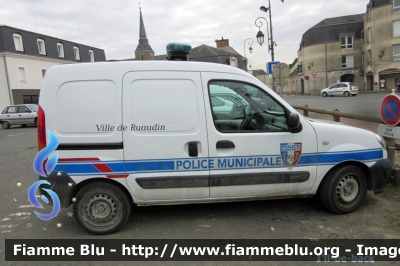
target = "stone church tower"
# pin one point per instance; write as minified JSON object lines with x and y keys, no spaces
{"x":143,"y":50}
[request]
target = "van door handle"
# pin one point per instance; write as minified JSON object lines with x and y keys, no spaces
{"x":193,"y":150}
{"x":224,"y":144}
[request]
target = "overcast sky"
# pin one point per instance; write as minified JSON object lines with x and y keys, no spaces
{"x":114,"y":25}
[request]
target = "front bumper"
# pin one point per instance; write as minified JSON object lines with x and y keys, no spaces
{"x":380,"y":173}
{"x":62,"y":184}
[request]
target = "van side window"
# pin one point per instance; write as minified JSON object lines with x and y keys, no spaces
{"x":242,"y":107}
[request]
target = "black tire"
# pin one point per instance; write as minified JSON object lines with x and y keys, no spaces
{"x":346,"y":93}
{"x":23,"y":125}
{"x":344,"y":189}
{"x":35,"y":121}
{"x":113,"y":203}
{"x":354,"y":95}
{"x":324,"y":94}
{"x":5,"y":125}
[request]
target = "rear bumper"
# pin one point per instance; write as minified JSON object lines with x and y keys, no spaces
{"x":62,"y":184}
{"x":380,"y":173}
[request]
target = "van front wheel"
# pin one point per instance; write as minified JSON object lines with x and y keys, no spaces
{"x":102,"y":208}
{"x":344,"y":189}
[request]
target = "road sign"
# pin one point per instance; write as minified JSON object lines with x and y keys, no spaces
{"x":306,"y":77}
{"x":314,"y":76}
{"x":390,"y":109}
{"x":388,"y":131}
{"x":277,"y":71}
{"x":270,"y":66}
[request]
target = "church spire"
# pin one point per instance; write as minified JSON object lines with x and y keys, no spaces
{"x":143,"y":45}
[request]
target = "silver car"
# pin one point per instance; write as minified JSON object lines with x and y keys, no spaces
{"x":341,"y":88}
{"x":22,"y":114}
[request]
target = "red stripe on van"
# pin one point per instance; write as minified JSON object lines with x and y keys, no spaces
{"x":103,"y":167}
{"x":117,"y":176}
{"x":77,"y":159}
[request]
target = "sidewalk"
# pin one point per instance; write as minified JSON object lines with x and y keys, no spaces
{"x":358,"y":123}
{"x":387,"y":91}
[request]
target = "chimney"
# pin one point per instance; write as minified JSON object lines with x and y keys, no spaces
{"x":222,"y":42}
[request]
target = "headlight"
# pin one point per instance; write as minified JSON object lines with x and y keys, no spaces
{"x":381,"y":141}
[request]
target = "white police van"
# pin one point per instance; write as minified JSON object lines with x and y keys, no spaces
{"x":168,"y":132}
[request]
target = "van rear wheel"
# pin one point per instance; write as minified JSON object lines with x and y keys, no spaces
{"x":102,"y":208}
{"x":344,"y":189}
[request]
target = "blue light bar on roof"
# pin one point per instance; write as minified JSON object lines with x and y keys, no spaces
{"x":178,"y":51}
{"x":174,"y":47}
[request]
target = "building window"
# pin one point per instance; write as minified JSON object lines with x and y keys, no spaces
{"x":21,"y":74}
{"x":362,"y":59}
{"x":396,"y":28}
{"x":346,"y":42}
{"x":76,"y":53}
{"x":362,"y":38}
{"x":369,"y":35}
{"x":41,"y":46}
{"x":44,"y":72}
{"x":142,"y":56}
{"x":347,"y":61}
{"x":396,"y":6}
{"x":369,"y":12}
{"x":233,"y":62}
{"x":18,"y":42}
{"x":30,"y":99}
{"x":60,"y":49}
{"x":369,"y":57}
{"x":396,"y":52}
{"x":91,"y":55}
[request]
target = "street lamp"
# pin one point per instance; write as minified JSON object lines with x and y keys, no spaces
{"x":249,"y":63}
{"x":260,"y":35}
{"x":271,"y":44}
{"x":250,"y":43}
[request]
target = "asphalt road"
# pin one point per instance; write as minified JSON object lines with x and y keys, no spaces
{"x":378,"y":217}
{"x":366,"y":103}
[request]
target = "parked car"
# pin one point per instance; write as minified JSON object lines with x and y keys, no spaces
{"x":23,"y":114}
{"x":341,"y":88}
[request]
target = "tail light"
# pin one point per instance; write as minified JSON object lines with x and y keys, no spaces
{"x":41,"y":125}
{"x":351,"y":88}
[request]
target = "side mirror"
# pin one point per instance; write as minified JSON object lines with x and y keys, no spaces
{"x":294,"y":123}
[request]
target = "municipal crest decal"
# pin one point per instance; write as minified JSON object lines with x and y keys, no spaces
{"x":291,"y":153}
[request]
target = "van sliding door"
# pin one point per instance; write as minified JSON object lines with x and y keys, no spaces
{"x":165,"y":137}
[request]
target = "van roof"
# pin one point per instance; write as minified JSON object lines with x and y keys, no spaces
{"x":125,"y":66}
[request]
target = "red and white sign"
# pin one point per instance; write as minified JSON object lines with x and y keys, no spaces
{"x":390,"y":109}
{"x":314,"y":76}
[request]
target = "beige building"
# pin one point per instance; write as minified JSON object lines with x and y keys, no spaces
{"x":330,"y":51}
{"x":362,"y":48}
{"x":382,"y":44}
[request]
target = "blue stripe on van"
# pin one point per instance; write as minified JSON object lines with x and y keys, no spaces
{"x":87,"y":168}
